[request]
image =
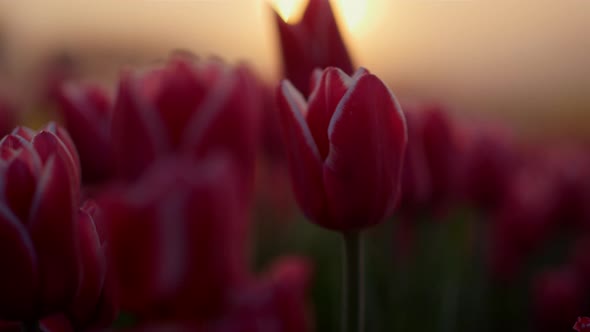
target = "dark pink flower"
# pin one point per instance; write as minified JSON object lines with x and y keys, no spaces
{"x":86,"y":111}
{"x":582,"y":324}
{"x":189,"y":107}
{"x":345,"y":146}
{"x":314,"y":42}
{"x":38,"y":234}
{"x":95,"y":304}
{"x":177,"y":239}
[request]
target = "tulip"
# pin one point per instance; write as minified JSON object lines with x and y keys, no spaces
{"x":442,"y":155}
{"x":582,"y":324}
{"x":87,"y":114}
{"x":416,"y":183}
{"x":490,"y":163}
{"x":94,"y":304}
{"x":346,"y":145}
{"x":186,"y":107}
{"x":54,"y":323}
{"x":38,"y":243}
{"x":314,"y":42}
{"x":345,"y":149}
{"x":176,"y":239}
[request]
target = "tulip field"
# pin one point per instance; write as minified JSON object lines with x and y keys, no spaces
{"x":194,"y":195}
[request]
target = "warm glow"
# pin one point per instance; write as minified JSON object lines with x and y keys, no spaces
{"x":289,"y":10}
{"x":352,"y":11}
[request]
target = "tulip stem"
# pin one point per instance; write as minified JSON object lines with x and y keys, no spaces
{"x":353,"y":311}
{"x":30,"y":326}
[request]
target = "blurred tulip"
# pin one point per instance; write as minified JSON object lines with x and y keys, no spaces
{"x":524,"y":222}
{"x":94,"y":304}
{"x":490,"y":163}
{"x":416,"y":183}
{"x":176,"y":239}
{"x":314,"y":42}
{"x":54,"y":323}
{"x":558,"y":298}
{"x":87,"y":114}
{"x":38,"y":243}
{"x":442,"y":156}
{"x":192,"y":107}
{"x":345,"y":146}
{"x":582,"y":324}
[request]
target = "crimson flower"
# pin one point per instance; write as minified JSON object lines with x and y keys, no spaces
{"x":582,"y":324}
{"x":345,"y":148}
{"x":95,"y":303}
{"x":86,"y":111}
{"x":176,"y":239}
{"x":38,"y":235}
{"x":186,"y":107}
{"x":313,"y":42}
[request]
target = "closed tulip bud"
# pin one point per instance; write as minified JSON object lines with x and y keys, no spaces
{"x":176,"y":239}
{"x":38,"y":236}
{"x":314,"y":42}
{"x":188,"y":107}
{"x":345,"y":148}
{"x":86,"y":111}
{"x":94,"y":304}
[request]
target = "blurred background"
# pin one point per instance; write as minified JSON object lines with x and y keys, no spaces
{"x":527,"y":62}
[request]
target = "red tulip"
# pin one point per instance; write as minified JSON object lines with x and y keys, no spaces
{"x":313,"y":42}
{"x":442,"y":155}
{"x":345,"y":147}
{"x":188,"y":107}
{"x":416,"y":188}
{"x":490,"y":164}
{"x":582,"y":324}
{"x":275,"y":303}
{"x":558,"y":299}
{"x":38,"y":243}
{"x":94,"y":304}
{"x":87,"y":114}
{"x":177,"y":239}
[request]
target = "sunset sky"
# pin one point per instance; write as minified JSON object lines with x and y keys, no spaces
{"x":521,"y":60}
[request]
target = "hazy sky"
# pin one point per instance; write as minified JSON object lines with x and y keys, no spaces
{"x":526,"y":60}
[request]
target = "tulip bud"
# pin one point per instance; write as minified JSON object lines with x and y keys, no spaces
{"x":87,"y":115}
{"x":38,"y":236}
{"x":345,"y":148}
{"x":314,"y":42}
{"x":186,"y":107}
{"x":176,"y":239}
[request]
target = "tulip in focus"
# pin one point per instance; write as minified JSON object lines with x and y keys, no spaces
{"x":345,"y":146}
{"x":38,"y":234}
{"x":314,"y":42}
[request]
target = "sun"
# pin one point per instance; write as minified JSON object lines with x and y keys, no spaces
{"x":351,"y":13}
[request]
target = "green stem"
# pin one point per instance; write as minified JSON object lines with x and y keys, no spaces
{"x":352,"y":313}
{"x":30,"y":326}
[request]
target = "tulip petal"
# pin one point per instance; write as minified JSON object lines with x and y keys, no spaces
{"x":323,"y":101}
{"x":137,"y":133}
{"x":20,"y":183}
{"x":54,"y":234}
{"x":303,"y":154}
{"x":93,"y":266}
{"x":367,"y":142}
{"x":19,"y":277}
